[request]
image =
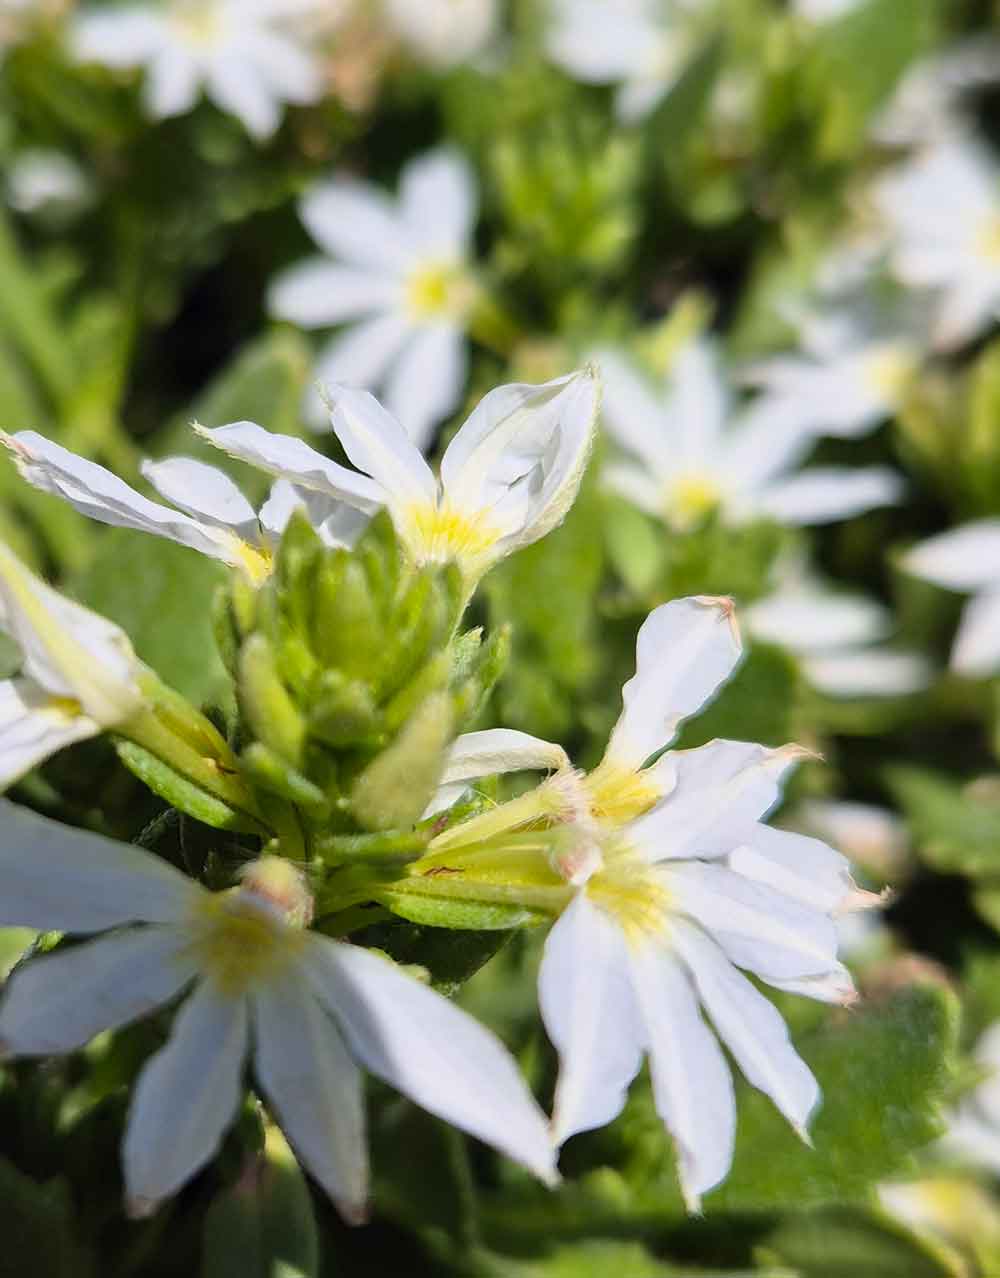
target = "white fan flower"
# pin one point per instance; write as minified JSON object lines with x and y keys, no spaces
{"x":47,"y":182}
{"x":686,"y":459}
{"x":825,"y":10}
{"x":642,"y":46}
{"x":398,"y":276}
{"x":307,"y":1011}
{"x":78,"y":674}
{"x":967,"y":559}
{"x":837,"y":638}
{"x":248,"y":55}
{"x":507,"y":478}
{"x":213,"y":516}
{"x":925,"y":105}
{"x":943,"y":211}
{"x":872,"y":837}
{"x":443,"y":33}
{"x":973,"y":1131}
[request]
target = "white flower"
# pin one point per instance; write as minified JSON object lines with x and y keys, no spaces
{"x":443,"y":33}
{"x":307,"y":1012}
{"x":245,"y":53}
{"x":825,"y":10}
{"x":217,"y":519}
{"x":640,"y":45}
{"x":834,"y":635}
{"x":507,"y":478}
{"x":967,"y":558}
{"x":974,"y":1128}
{"x":78,"y":672}
{"x":686,"y":459}
{"x":943,"y":210}
{"x":924,"y":105}
{"x":398,"y":276}
{"x":872,"y":837}
{"x":48,"y":182}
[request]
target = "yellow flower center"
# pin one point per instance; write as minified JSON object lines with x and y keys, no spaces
{"x":889,"y":372}
{"x":629,"y":890}
{"x":439,"y":534}
{"x":65,"y":707}
{"x":691,"y":498}
{"x":257,"y":562}
{"x":237,"y":941}
{"x":988,"y":239}
{"x":439,"y":290}
{"x":197,"y":23}
{"x":619,"y":795}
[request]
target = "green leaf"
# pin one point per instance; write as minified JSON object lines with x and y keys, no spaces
{"x":441,"y":912}
{"x":37,"y":1225}
{"x":179,"y":792}
{"x":161,"y":595}
{"x":955,"y":830}
{"x":756,"y":705}
{"x":835,"y":1242}
{"x":604,"y":1258}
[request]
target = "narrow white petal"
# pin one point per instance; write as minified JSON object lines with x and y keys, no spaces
{"x":120,"y":39}
{"x":356,"y":223}
{"x":964,"y":558}
{"x":809,"y":619}
{"x":186,"y":1096}
{"x":685,"y":651}
{"x":378,"y":445}
{"x":758,"y":928}
{"x":766,"y":440}
{"x":626,"y":32}
{"x":293,"y":459}
{"x":637,"y":486}
{"x":437,"y":197}
{"x":976,"y":651}
{"x":835,"y":986}
{"x":823,"y":494}
{"x":585,"y":996}
{"x":291,"y":72}
{"x":635,"y":417}
{"x":99,"y":494}
{"x":719,"y":787}
{"x":57,"y":1003}
{"x":750,"y":1026}
{"x":362,"y":354}
{"x":692,"y":1086}
{"x":796,"y":865}
{"x":173,"y":81}
{"x":868,"y":673}
{"x":968,"y":307}
{"x":314,"y":1088}
{"x":426,"y":382}
{"x":431,"y":1051}
{"x":482,"y":754}
{"x":237,"y":87}
{"x":32,"y":728}
{"x":58,"y":879}
{"x":698,"y":402}
{"x":318,"y":292}
{"x":203,"y":491}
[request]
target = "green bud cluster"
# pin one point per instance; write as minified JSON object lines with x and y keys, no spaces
{"x":352,"y":679}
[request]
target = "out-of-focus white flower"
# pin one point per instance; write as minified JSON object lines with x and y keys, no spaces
{"x":217,"y":519}
{"x":246,"y":54}
{"x":398,"y":276}
{"x":825,"y":10}
{"x":47,"y":182}
{"x":834,"y":635}
{"x":443,"y":33}
{"x":640,"y":45}
{"x":78,"y":674}
{"x":871,"y":837}
{"x":508,"y":476}
{"x":967,"y":559}
{"x":687,"y":459}
{"x":942,"y":209}
{"x":925,"y":105}
{"x":306,"y":1010}
{"x":974,"y":1128}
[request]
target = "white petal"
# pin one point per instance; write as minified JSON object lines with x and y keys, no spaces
{"x":362,"y":354}
{"x":317,"y":293}
{"x":585,"y":996}
{"x":964,"y":558}
{"x":685,"y":651}
{"x":32,"y":729}
{"x":237,"y":87}
{"x":823,"y":494}
{"x":976,"y":651}
{"x":378,"y":445}
{"x":637,"y":486}
{"x":59,"y":1002}
{"x":719,"y":787}
{"x":636,"y":98}
{"x":636,"y":418}
{"x":758,"y":928}
{"x":868,"y":673}
{"x":835,"y":986}
{"x":120,"y":39}
{"x":355,"y":222}
{"x":621,"y":47}
{"x":173,"y":81}
{"x":808,"y":619}
{"x":58,"y":879}
{"x":314,"y":1088}
{"x":692,"y":1086}
{"x":291,"y":73}
{"x":426,"y":382}
{"x":766,"y":440}
{"x":98,"y":493}
{"x":293,"y":459}
{"x":431,"y":1051}
{"x":186,"y":1096}
{"x":750,"y":1026}
{"x":698,"y":402}
{"x":437,"y":196}
{"x":802,"y":868}
{"x":203,"y":491}
{"x":482,"y":754}
{"x":967,"y":308}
